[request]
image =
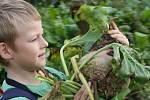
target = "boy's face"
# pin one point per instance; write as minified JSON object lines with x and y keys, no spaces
{"x":30,"y":47}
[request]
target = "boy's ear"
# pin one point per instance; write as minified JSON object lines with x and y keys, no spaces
{"x":5,"y":51}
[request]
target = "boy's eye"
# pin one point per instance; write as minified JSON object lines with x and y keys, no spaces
{"x":34,"y":39}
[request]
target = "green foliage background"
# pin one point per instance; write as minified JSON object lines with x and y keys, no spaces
{"x":132,"y":17}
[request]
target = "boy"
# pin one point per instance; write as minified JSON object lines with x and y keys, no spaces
{"x":22,"y":48}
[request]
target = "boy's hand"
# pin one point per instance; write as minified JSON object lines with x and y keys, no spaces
{"x":116,"y":34}
{"x":82,"y":94}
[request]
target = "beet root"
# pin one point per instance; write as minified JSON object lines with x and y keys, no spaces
{"x":99,"y":69}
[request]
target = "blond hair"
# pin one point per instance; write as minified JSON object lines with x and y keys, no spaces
{"x":13,"y":15}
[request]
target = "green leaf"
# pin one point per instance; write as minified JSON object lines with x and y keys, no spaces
{"x":71,"y":29}
{"x":96,"y":16}
{"x":46,"y":79}
{"x":142,"y":74}
{"x":89,"y":39}
{"x":122,"y":94}
{"x":146,"y":55}
{"x":116,"y":53}
{"x":125,"y":28}
{"x":141,"y":40}
{"x":131,"y":67}
{"x":145,"y":13}
{"x":126,"y":68}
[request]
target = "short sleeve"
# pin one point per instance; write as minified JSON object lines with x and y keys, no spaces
{"x":58,"y":74}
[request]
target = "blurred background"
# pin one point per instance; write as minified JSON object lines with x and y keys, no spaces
{"x":131,"y":16}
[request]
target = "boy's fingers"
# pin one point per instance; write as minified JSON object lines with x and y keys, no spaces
{"x":88,"y":98}
{"x":84,"y":95}
{"x":114,"y":32}
{"x":117,"y":36}
{"x":121,"y":38}
{"x":79,"y":93}
{"x":41,"y":73}
{"x":115,"y":27}
{"x":110,"y":27}
{"x":123,"y":41}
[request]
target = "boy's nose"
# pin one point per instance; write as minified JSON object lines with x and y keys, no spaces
{"x":44,"y":43}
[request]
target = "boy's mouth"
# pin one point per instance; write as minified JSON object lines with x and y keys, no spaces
{"x":42,"y":55}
